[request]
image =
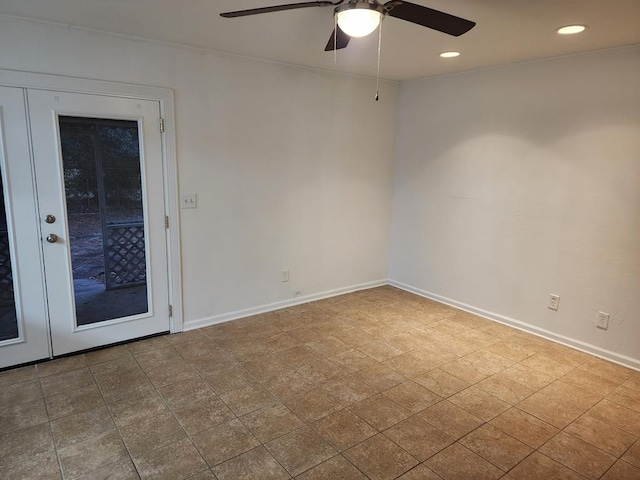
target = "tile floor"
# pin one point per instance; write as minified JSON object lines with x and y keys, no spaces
{"x":378,"y":384}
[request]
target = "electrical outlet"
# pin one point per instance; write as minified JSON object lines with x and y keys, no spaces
{"x":284,"y":276}
{"x":554,"y":301}
{"x":603,"y":320}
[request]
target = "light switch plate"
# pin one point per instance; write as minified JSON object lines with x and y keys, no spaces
{"x":189,"y":200}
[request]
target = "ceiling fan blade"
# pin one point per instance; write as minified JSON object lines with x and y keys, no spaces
{"x":276,"y":8}
{"x":338,"y":40}
{"x":427,"y":17}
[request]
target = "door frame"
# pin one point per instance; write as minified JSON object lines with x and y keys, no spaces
{"x":165,"y":97}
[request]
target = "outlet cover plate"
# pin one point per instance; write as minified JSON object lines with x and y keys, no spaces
{"x":554,"y":301}
{"x":603,"y":320}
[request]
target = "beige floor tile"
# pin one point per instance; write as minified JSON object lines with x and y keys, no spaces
{"x":73,"y":401}
{"x":570,"y":394}
{"x":348,"y":390}
{"x":607,"y":370}
{"x":355,"y":337}
{"x":256,"y":464}
{"x":590,"y":381}
{"x":81,"y":459}
{"x":466,"y":371}
{"x":448,"y":327}
{"x":225,"y":380}
{"x":512,"y":350}
{"x":269,"y":366}
{"x":313,"y":405}
{"x":489,"y":360}
{"x":137,"y":408}
{"x":19,"y":446}
{"x":352,"y":360}
{"x":633,"y":455}
{"x":418,"y":438}
{"x":441,"y":383}
{"x":602,"y":435}
{"x":120,"y":471}
{"x":526,"y":428}
{"x":622,"y":470}
{"x":107,"y":354}
{"x":528,"y":377}
{"x":458,"y":463}
{"x":633,"y":382}
{"x":380,"y":412}
{"x":578,"y":455}
{"x":178,"y":371}
{"x":337,"y":468}
{"x":380,"y":350}
{"x":479,"y":403}
{"x":41,"y":467}
{"x":420,"y":472}
{"x":20,"y":392}
{"x":618,"y":416}
{"x":81,"y":426}
{"x":178,"y":460}
{"x":505,"y":389}
{"x":18,"y":375}
{"x":121,"y":383}
{"x":61,"y":365}
{"x":64,"y":382}
{"x":343,"y":429}
{"x":496,"y":447}
{"x":328,"y":346}
{"x":225,"y":441}
{"x":148,"y":344}
{"x":380,"y":377}
{"x":271,"y":422}
{"x":408,"y":365}
{"x":538,"y":466}
{"x":380,"y":459}
{"x":161,"y":357}
{"x":300,"y":450}
{"x":22,"y":415}
{"x":182,"y":393}
{"x":140,"y":437}
{"x":198,"y":416}
{"x":626,"y":397}
{"x":547,"y":365}
{"x":412,"y":396}
{"x":248,"y":399}
{"x":450,"y":418}
{"x":557,"y":414}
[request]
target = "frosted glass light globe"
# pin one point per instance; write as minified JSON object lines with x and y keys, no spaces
{"x":358,"y":22}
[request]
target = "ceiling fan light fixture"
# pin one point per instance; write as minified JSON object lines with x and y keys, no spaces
{"x":450,"y":54}
{"x":359,"y":19}
{"x":571,"y":29}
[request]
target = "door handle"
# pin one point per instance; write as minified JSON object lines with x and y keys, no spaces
{"x":52,"y":238}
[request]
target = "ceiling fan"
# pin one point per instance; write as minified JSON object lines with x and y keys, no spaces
{"x":358,"y":18}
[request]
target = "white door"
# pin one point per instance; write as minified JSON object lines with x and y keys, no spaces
{"x":24,"y":334}
{"x":100,"y":188}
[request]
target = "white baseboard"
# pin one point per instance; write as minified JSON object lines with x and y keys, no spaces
{"x":526,"y":327}
{"x":270,"y":307}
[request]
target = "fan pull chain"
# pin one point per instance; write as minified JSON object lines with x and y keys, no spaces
{"x":378,"y":72}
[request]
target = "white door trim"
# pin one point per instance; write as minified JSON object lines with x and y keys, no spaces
{"x":13,"y":78}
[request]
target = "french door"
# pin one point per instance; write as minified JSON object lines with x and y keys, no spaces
{"x":94,"y":235}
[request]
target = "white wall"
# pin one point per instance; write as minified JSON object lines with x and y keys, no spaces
{"x":292,"y":167}
{"x":518,"y":182}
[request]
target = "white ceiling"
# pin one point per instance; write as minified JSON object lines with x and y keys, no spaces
{"x":507,"y":31}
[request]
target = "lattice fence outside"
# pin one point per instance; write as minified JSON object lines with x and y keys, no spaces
{"x":6,"y":278}
{"x":126,"y":264}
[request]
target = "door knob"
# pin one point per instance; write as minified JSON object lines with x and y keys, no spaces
{"x":50,"y":218}
{"x":52,"y":238}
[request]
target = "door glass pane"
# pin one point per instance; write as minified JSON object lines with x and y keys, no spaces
{"x":103,"y":188}
{"x":8,"y":317}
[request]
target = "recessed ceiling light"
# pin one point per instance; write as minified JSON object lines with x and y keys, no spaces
{"x":449,"y":54}
{"x":571,"y":29}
